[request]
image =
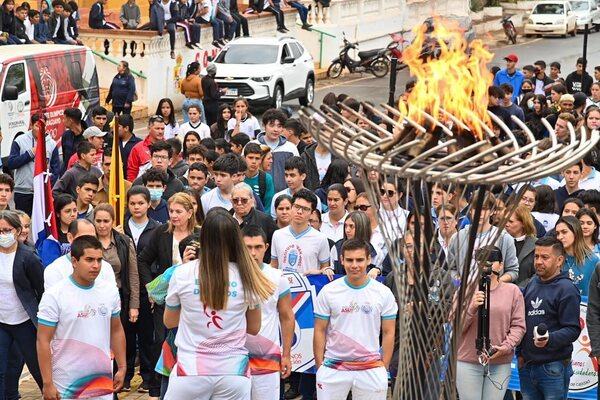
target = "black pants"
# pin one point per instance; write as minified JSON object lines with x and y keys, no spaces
{"x":242,"y":24}
{"x":139,"y":336}
{"x":276,"y":11}
{"x":119,"y":110}
{"x":159,"y":337}
{"x":211,"y":109}
{"x":24,"y":337}
{"x":24,"y":202}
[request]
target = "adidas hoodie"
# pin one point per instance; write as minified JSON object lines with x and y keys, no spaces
{"x":556,"y":304}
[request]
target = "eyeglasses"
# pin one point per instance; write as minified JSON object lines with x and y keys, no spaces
{"x":240,"y":200}
{"x":363,"y":207}
{"x":298,"y":207}
{"x":389,"y":193}
{"x":445,"y":219}
{"x":156,"y":118}
{"x":159,"y":157}
{"x":5,"y":231}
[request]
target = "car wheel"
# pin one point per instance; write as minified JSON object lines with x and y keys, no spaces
{"x":528,"y":35}
{"x":277,"y":99}
{"x":309,"y":94}
{"x":335,"y":70}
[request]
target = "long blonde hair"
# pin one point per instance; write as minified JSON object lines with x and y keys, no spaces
{"x":186,"y":201}
{"x":221,"y":242}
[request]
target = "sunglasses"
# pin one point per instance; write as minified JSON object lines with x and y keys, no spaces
{"x":363,"y":207}
{"x":240,"y":200}
{"x":388,"y":193}
{"x":156,"y":118}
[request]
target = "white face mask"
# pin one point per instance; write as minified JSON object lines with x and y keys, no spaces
{"x":7,"y":240}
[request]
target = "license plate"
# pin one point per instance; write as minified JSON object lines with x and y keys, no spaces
{"x":231,"y":92}
{"x":543,"y":29}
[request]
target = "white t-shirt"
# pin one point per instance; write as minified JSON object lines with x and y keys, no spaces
{"x":81,"y":363}
{"x":264,"y":349}
{"x":62,"y":268}
{"x":171,"y":131}
{"x":207,"y":4}
{"x":289,"y":193}
{"x":201,"y":129}
{"x":249,"y":126}
{"x":393,"y":223}
{"x":214,"y":199}
{"x":322,"y":164}
{"x":12,"y":311}
{"x":354,"y":315}
{"x":333,"y":232}
{"x":136,"y":231}
{"x":546,"y":219}
{"x":209,"y":342}
{"x":167,"y":9}
{"x":299,"y":252}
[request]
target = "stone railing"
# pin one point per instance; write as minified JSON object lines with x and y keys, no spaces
{"x":343,"y":11}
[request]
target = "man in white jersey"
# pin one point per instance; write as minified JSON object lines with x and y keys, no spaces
{"x":78,"y":327}
{"x":299,"y":247}
{"x":62,"y":267}
{"x":295,"y":173}
{"x":268,"y":361}
{"x":349,"y":315}
{"x":225,"y":170}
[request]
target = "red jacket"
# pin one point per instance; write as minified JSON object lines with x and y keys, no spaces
{"x":140,"y":155}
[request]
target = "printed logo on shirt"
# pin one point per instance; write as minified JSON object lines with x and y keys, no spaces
{"x":366,"y":308}
{"x":536,"y":305}
{"x":351,"y":308}
{"x":102,"y":310}
{"x":214,"y":318}
{"x":87,"y":312}
{"x":293,"y":256}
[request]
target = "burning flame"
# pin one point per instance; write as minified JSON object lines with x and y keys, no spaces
{"x":454,"y":81}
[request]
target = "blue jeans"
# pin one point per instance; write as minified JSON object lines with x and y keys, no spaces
{"x":230,"y":27}
{"x":186,"y":106}
{"x":302,"y":10}
{"x":549,"y":381}
{"x":474,"y":383}
{"x":24,"y":336}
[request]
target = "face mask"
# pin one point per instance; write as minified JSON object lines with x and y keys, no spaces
{"x":530,"y":104}
{"x":156,"y":194}
{"x":526,"y":90}
{"x":7,"y":240}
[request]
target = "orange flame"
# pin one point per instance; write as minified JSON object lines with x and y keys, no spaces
{"x":455,"y":81}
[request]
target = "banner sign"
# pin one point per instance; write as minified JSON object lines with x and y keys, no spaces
{"x":584,"y":382}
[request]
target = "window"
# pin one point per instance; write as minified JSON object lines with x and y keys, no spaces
{"x":15,"y":76}
{"x":286,"y":52}
{"x":247,"y":54}
{"x":297,"y":50}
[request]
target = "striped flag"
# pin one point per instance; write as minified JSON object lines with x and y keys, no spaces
{"x":116,"y":186}
{"x":43,"y":222}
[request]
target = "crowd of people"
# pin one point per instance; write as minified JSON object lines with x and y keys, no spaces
{"x":220,"y":205}
{"x":59,"y":21}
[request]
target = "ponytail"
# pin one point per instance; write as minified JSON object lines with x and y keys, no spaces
{"x":191,"y":68}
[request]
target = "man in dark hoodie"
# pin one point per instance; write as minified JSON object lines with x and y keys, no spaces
{"x":579,"y":80}
{"x":550,"y":299}
{"x":160,"y":155}
{"x":20,"y":31}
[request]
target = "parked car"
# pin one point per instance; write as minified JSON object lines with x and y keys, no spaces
{"x":551,"y":18}
{"x":587,"y":13}
{"x":266,"y":70}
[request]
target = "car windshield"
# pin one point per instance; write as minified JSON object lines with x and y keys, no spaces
{"x":580,"y":5}
{"x":550,"y":8}
{"x":248,"y":54}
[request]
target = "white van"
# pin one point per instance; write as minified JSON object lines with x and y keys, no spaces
{"x":44,"y":78}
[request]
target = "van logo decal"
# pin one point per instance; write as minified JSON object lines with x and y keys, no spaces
{"x":48,"y":86}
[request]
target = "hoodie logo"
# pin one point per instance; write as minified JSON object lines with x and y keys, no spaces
{"x":536,"y":305}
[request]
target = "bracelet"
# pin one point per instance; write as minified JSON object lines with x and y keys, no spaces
{"x":326,"y":268}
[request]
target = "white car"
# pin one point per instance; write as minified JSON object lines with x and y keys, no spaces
{"x":551,"y":18}
{"x":266,"y":71}
{"x":587,"y":12}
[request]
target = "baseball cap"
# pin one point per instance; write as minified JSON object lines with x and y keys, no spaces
{"x":93,"y":131}
{"x":512,"y":57}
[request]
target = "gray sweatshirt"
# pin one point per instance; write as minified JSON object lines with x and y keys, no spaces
{"x":457,"y":251}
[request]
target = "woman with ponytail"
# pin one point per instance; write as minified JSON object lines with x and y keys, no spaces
{"x":191,"y":88}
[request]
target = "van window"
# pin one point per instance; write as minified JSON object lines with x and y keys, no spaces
{"x":75,"y":72}
{"x":15,"y":76}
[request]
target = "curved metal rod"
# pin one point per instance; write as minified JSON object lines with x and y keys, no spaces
{"x":505,"y":128}
{"x":527,"y":131}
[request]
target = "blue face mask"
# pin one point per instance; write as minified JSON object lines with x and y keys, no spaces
{"x":156,"y":194}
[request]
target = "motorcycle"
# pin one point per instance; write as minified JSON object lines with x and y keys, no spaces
{"x":374,"y":61}
{"x":395,"y":47}
{"x":509,"y":29}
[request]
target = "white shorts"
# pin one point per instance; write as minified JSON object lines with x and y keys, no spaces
{"x":231,"y":387}
{"x":369,"y":384}
{"x":266,"y":387}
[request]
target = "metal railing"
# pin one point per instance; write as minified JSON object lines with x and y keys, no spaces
{"x":321,"y":34}
{"x":113,"y":61}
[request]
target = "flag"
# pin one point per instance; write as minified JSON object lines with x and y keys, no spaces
{"x":43,"y":221}
{"x":116,"y":183}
